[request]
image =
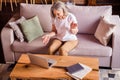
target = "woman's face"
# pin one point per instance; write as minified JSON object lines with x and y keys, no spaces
{"x":58,"y":13}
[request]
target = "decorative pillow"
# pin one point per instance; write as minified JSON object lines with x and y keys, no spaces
{"x":31,"y":28}
{"x":16,"y":29}
{"x":104,"y":31}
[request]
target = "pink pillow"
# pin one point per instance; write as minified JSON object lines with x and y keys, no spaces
{"x":16,"y":29}
{"x":104,"y":31}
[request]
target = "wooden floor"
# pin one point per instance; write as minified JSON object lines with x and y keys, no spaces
{"x":4,"y":71}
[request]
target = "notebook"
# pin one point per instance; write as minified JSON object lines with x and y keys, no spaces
{"x":78,"y":71}
{"x":41,"y":61}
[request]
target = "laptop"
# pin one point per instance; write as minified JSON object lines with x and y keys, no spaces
{"x":41,"y":61}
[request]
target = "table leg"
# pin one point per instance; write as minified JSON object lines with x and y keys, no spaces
{"x":42,"y":1}
{"x":33,"y":1}
{"x":27,"y":1}
{"x":15,"y":2}
{"x":5,"y":3}
{"x":0,"y":5}
{"x":52,"y":1}
{"x":11,"y":5}
{"x":74,"y":2}
{"x":45,"y":1}
{"x":13,"y":78}
{"x":25,"y":79}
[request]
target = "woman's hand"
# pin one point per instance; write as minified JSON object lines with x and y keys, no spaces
{"x":46,"y":38}
{"x":73,"y":28}
{"x":74,"y":31}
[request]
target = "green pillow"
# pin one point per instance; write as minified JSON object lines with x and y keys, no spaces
{"x":31,"y":28}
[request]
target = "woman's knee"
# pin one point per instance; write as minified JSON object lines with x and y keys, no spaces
{"x":63,"y":51}
{"x":54,"y":46}
{"x":52,"y":50}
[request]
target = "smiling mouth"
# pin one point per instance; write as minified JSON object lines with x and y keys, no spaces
{"x":60,"y":17}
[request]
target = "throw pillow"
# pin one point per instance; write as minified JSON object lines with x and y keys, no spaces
{"x":104,"y":31}
{"x":31,"y":28}
{"x":16,"y":29}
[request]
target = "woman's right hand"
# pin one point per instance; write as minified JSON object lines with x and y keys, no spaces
{"x":46,"y":38}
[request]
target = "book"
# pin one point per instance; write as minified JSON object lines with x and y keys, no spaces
{"x":78,"y":71}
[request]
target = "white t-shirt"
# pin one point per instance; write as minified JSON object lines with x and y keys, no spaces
{"x":63,"y":27}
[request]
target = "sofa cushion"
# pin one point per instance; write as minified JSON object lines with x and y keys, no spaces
{"x":42,"y":11}
{"x":90,"y":46}
{"x":35,"y":46}
{"x":16,"y":29}
{"x":31,"y":28}
{"x":88,"y":16}
{"x":84,"y":47}
{"x":104,"y":31}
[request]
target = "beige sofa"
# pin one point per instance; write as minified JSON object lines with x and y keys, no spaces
{"x":88,"y":19}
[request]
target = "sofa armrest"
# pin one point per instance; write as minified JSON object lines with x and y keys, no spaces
{"x":116,"y":42}
{"x":7,"y":38}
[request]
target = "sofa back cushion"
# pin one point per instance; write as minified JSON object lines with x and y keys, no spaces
{"x":89,"y":16}
{"x":42,"y":11}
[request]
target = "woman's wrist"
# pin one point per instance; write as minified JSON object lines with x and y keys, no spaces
{"x":51,"y":34}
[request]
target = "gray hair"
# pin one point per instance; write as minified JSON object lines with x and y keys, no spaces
{"x":58,"y":5}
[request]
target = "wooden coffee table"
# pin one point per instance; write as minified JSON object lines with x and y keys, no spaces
{"x":24,"y":70}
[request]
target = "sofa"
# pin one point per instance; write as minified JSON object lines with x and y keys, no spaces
{"x":88,"y":19}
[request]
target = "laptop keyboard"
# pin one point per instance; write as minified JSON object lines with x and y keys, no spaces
{"x":49,"y":63}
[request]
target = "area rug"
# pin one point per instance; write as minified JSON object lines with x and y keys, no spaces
{"x":108,"y":74}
